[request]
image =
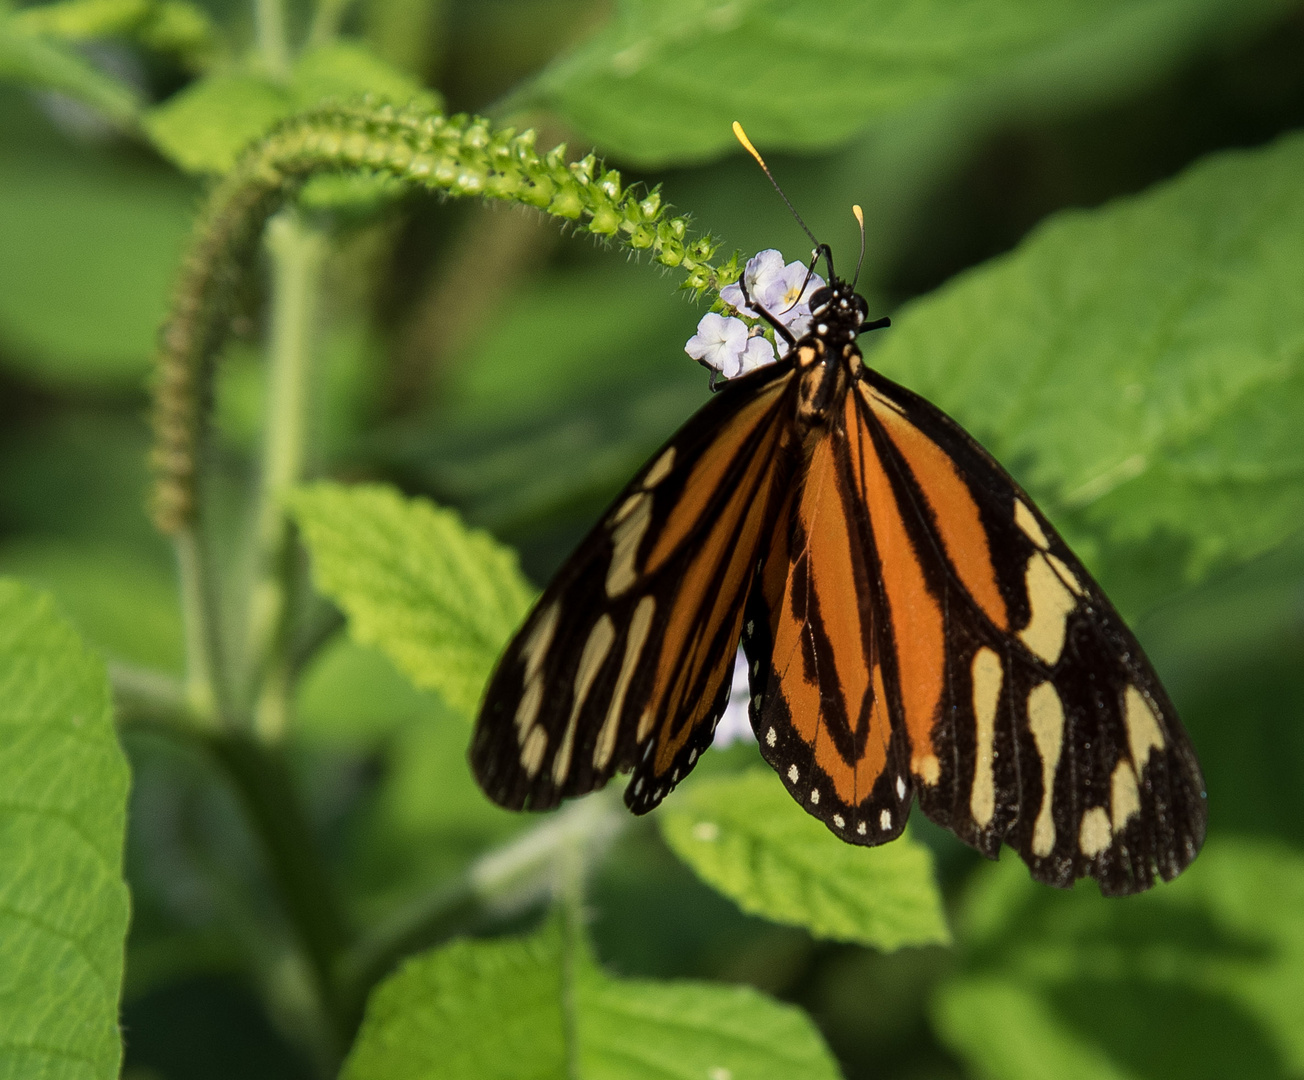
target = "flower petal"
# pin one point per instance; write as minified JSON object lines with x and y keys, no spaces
{"x":719,"y":343}
{"x":758,"y":353}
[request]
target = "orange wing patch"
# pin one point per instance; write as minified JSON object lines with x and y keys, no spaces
{"x":706,"y":602}
{"x":820,"y":627}
{"x":916,"y":618}
{"x":702,"y":486}
{"x":951,"y":504}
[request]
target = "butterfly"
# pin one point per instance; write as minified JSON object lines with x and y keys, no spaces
{"x":913,"y":627}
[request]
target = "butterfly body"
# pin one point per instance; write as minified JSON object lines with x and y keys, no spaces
{"x":913,"y":627}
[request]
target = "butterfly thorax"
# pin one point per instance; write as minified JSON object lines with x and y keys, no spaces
{"x":827,"y":356}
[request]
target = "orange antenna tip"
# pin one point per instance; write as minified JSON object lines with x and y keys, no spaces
{"x":860,"y":214}
{"x":741,"y":136}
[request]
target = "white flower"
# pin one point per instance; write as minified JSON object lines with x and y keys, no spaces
{"x":724,"y":345}
{"x":778,"y":289}
{"x":758,"y":353}
{"x":761,"y":273}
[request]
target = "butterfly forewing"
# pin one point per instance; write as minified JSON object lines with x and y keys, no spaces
{"x":625,"y":661}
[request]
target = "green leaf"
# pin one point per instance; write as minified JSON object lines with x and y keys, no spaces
{"x":41,"y":63}
{"x":1229,"y":653}
{"x":745,"y":837}
{"x":439,"y":599}
{"x":63,"y":903}
{"x":1200,"y":979}
{"x":123,"y":604}
{"x":645,"y":1030}
{"x":1140,"y":368}
{"x":351,"y":697}
{"x":489,"y":1010}
{"x":493,"y":1009}
{"x":172,"y":26}
{"x":204,"y":128}
{"x":663,"y":80}
{"x":86,"y":266}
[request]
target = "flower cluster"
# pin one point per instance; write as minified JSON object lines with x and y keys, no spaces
{"x":733,"y":345}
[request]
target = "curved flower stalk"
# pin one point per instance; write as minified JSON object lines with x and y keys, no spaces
{"x":459,"y":155}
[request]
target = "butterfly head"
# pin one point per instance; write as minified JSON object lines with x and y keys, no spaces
{"x":837,"y":303}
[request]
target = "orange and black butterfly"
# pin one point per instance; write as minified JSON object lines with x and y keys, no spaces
{"x":912,"y":625}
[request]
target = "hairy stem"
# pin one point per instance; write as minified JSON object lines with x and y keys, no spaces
{"x":458,"y":156}
{"x":298,"y":253}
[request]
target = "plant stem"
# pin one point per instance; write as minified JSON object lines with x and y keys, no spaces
{"x":570,"y":902}
{"x":144,"y":692}
{"x":326,"y":19}
{"x":269,"y":30}
{"x":262,"y":778}
{"x":298,"y":254}
{"x":204,"y":688}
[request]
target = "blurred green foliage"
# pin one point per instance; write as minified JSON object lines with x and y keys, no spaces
{"x":1087,"y":220}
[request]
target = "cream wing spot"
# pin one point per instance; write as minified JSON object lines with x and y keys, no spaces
{"x":534,"y":651}
{"x":792,"y":773}
{"x":536,"y":645}
{"x":1027,"y":521}
{"x":1066,"y":575}
{"x":639,"y":624}
{"x":1124,"y":797}
{"x":901,"y":787}
{"x":1143,"y":731}
{"x":987,"y":678}
{"x":1046,"y":719}
{"x":815,"y":796}
{"x":532,"y":752}
{"x":1050,"y":602}
{"x":1094,"y":835}
{"x":631,"y":522}
{"x":885,"y":820}
{"x":860,"y":828}
{"x":527,"y":711}
{"x":839,"y":821}
{"x":660,"y":470}
{"x":771,"y":737}
{"x":591,"y":657}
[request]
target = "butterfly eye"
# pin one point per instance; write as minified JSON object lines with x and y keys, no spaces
{"x":820,"y":298}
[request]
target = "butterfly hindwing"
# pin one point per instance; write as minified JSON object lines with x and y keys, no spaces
{"x":1045,"y":725}
{"x":625,"y":661}
{"x":814,"y":638}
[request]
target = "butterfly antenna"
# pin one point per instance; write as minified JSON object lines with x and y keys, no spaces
{"x":741,"y":136}
{"x":860,"y":220}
